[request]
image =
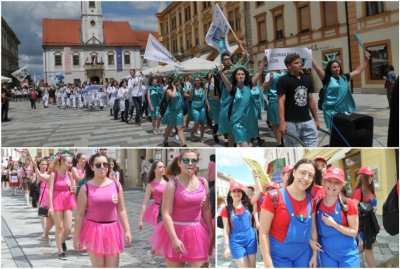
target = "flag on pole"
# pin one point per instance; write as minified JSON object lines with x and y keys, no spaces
{"x":218,"y":31}
{"x":264,"y":179}
{"x":57,"y":77}
{"x":21,"y":74}
{"x":157,"y":52}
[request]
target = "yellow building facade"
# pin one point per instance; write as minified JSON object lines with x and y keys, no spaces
{"x":383,"y":161}
{"x":183,"y":25}
{"x":328,"y":28}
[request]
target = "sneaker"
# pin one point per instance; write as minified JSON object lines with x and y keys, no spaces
{"x":64,"y":246}
{"x":176,"y":137}
{"x":155,"y":132}
{"x":62,"y":256}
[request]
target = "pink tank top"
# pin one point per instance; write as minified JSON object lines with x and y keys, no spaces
{"x":80,"y":172}
{"x":187,"y":205}
{"x":102,"y":202}
{"x":158,"y":190}
{"x":62,"y":183}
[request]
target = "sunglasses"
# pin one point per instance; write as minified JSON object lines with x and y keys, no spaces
{"x":187,"y":161}
{"x":99,"y":165}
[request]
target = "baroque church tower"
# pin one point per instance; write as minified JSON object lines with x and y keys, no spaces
{"x":92,"y":22}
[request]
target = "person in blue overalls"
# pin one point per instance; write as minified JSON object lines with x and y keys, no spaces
{"x":239,"y":236}
{"x":286,"y":221}
{"x":336,"y":224}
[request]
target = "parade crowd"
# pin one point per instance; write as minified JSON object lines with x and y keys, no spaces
{"x":228,"y":100}
{"x":178,"y":204}
{"x":310,"y":220}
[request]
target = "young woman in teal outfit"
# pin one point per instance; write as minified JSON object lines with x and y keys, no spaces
{"x":272,"y":105}
{"x":338,"y":98}
{"x":174,"y":114}
{"x":242,"y":116}
{"x":198,"y":97}
{"x":154,"y":96}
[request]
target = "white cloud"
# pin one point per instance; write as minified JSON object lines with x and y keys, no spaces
{"x":139,"y":22}
{"x":141,"y":5}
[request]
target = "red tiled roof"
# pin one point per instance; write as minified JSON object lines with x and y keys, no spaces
{"x":142,"y":36}
{"x":61,"y":32}
{"x":67,"y":32}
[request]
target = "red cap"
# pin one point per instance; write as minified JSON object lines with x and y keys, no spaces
{"x":236,"y":186}
{"x":334,"y":172}
{"x":320,"y":158}
{"x":272,"y":185}
{"x":287,"y":168}
{"x":366,"y":170}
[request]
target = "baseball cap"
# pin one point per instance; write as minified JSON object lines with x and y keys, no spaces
{"x":287,"y":168}
{"x":334,"y":172}
{"x":236,"y":186}
{"x":366,"y":170}
{"x":272,"y":185}
{"x":320,"y":158}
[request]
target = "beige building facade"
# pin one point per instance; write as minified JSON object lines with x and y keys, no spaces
{"x":328,"y":28}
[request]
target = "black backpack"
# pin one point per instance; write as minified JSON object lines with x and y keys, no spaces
{"x":390,"y":211}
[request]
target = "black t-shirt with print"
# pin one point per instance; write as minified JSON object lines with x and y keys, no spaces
{"x":296,"y":102}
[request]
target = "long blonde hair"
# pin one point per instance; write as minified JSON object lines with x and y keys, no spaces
{"x":173,"y":168}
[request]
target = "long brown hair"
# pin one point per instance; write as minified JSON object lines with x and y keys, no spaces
{"x":152,"y":174}
{"x":303,"y":161}
{"x":362,"y":183}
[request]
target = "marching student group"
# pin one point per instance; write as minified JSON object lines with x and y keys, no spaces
{"x":229,"y":100}
{"x":308,"y":221}
{"x":180,"y":210}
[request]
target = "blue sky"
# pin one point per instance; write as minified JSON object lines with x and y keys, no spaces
{"x":230,"y":162}
{"x":25,"y":18}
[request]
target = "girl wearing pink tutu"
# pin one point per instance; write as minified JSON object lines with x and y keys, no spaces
{"x":78,"y":169}
{"x":101,"y":222}
{"x":42,"y":178}
{"x":158,"y":183}
{"x":184,"y":234}
{"x":61,"y":200}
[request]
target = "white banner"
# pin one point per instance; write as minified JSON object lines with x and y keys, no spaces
{"x":21,"y":74}
{"x":276,"y":57}
{"x":157,"y":52}
{"x":219,"y":29}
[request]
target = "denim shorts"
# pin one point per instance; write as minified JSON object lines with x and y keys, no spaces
{"x":306,"y":131}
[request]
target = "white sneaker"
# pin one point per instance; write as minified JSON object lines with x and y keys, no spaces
{"x":176,"y":137}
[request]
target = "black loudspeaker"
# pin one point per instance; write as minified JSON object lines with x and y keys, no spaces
{"x":356,"y":129}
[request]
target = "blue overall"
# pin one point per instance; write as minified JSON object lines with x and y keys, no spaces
{"x":295,"y":250}
{"x":340,"y":251}
{"x":242,"y":238}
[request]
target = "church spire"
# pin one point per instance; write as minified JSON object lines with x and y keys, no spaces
{"x":92,"y":22}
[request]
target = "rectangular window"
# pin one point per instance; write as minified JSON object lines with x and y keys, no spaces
{"x":278,"y":27}
{"x":231,"y":19}
{"x":75,"y":59}
{"x":262,"y":31}
{"x":161,"y":29}
{"x":237,"y":19}
{"x":189,"y":40}
{"x":173,"y":23}
{"x":195,"y":8}
{"x":127,"y":58}
{"x":92,"y":4}
{"x":57,"y":60}
{"x":379,"y":60}
{"x":181,"y":43}
{"x":373,"y":7}
{"x":180,"y":19}
{"x":110,"y":59}
{"x":305,"y":23}
{"x":330,"y":13}
{"x":259,"y":3}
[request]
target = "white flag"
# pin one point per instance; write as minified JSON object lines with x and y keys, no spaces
{"x":157,"y":52}
{"x":21,"y":74}
{"x":219,"y":29}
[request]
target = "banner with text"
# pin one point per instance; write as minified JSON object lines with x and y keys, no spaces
{"x":21,"y":74}
{"x":67,"y":60}
{"x":118,"y":51}
{"x":276,"y":57}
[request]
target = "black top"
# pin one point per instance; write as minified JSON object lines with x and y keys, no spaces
{"x":296,"y":101}
{"x":327,"y":78}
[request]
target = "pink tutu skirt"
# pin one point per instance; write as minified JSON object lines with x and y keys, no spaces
{"x":151,"y":213}
{"x":102,"y":238}
{"x":194,"y":237}
{"x":63,"y":200}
